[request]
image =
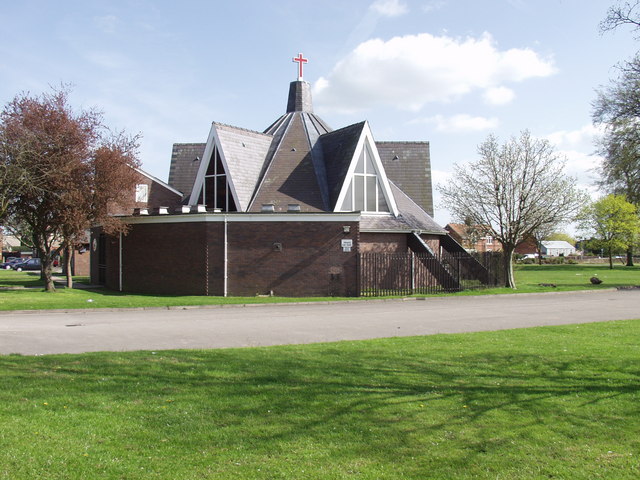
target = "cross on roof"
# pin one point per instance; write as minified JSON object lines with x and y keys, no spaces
{"x":300,"y":60}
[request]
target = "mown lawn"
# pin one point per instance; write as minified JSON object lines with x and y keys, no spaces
{"x":528,"y":278}
{"x":552,"y":402}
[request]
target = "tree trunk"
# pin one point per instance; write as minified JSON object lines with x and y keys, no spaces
{"x":630,"y":257}
{"x":68,"y":251}
{"x":610,"y":259}
{"x":539,"y":252}
{"x":508,"y":267}
{"x":46,"y":259}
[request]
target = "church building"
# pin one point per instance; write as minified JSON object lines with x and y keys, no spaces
{"x":288,"y":211}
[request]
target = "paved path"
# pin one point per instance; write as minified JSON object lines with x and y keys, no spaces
{"x":219,"y":327}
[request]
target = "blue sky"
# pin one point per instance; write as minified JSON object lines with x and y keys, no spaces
{"x":447,"y":71}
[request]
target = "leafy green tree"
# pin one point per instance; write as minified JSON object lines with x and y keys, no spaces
{"x":514,"y":189}
{"x":613,"y":222}
{"x":563,"y":237}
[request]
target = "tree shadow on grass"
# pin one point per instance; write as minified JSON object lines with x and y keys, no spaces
{"x":384,"y":400}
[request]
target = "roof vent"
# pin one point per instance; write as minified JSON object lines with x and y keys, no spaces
{"x":268,"y":208}
{"x":293,"y":207}
{"x":396,"y":157}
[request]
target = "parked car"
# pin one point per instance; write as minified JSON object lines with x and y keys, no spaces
{"x":10,"y":261}
{"x":30,"y":264}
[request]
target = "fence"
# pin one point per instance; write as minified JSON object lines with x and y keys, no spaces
{"x":422,"y":273}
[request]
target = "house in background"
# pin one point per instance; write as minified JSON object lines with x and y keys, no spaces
{"x":287,"y":211}
{"x":557,"y":248}
{"x":474,"y":238}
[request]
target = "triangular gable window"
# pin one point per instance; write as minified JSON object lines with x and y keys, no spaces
{"x":365,"y":190}
{"x":215,"y":191}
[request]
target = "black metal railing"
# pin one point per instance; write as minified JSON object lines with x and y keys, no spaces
{"x":384,"y":274}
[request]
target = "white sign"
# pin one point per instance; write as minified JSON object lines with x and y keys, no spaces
{"x":346,"y":244}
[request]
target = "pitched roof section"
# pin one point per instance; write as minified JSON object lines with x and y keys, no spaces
{"x":185,"y":161}
{"x":408,"y":165}
{"x":243,"y":153}
{"x":410,"y":217}
{"x":290,"y":176}
{"x":338,"y":148}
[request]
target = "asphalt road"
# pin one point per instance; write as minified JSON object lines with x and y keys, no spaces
{"x":246,"y":326}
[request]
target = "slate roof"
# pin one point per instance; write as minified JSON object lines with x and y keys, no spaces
{"x":408,"y":165}
{"x":300,"y":160}
{"x":411,"y":217}
{"x":185,"y":161}
{"x":338,"y":148}
{"x":244,"y":152}
{"x":290,"y":175}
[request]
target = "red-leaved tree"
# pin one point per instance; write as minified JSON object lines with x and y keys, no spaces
{"x":75,"y":169}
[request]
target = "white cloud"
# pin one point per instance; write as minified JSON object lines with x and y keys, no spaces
{"x":577,"y":147}
{"x":107,"y":60}
{"x":389,"y":8}
{"x":106,"y":23}
{"x":498,"y":95}
{"x":582,"y":138}
{"x":460,"y":123}
{"x":408,"y":72}
{"x":433,"y":5}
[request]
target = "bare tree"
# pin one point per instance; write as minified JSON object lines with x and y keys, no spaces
{"x":77,"y":167}
{"x":515,"y":189}
{"x":627,"y":13}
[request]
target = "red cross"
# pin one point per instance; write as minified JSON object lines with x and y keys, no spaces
{"x":300,"y":60}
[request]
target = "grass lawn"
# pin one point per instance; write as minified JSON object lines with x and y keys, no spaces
{"x":552,"y":402}
{"x":528,"y":278}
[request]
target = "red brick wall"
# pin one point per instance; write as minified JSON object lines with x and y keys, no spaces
{"x":433,"y":241}
{"x":159,"y":196}
{"x":310,"y":262}
{"x":188,"y":259}
{"x":165,"y":259}
{"x":81,"y":260}
{"x":383,"y":243}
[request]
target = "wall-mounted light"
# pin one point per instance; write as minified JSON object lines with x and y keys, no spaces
{"x":346,"y":228}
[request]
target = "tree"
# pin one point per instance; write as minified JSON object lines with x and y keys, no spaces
{"x":76,"y":170}
{"x":515,"y":189}
{"x":562,"y":237}
{"x":617,"y":108}
{"x":539,"y":235}
{"x":627,"y":13}
{"x":614,"y":223}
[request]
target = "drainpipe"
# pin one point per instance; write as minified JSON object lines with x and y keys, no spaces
{"x":226,"y":254}
{"x":120,"y":262}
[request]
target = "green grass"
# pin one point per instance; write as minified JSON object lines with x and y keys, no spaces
{"x":552,"y":402}
{"x":528,"y":278}
{"x":575,"y":277}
